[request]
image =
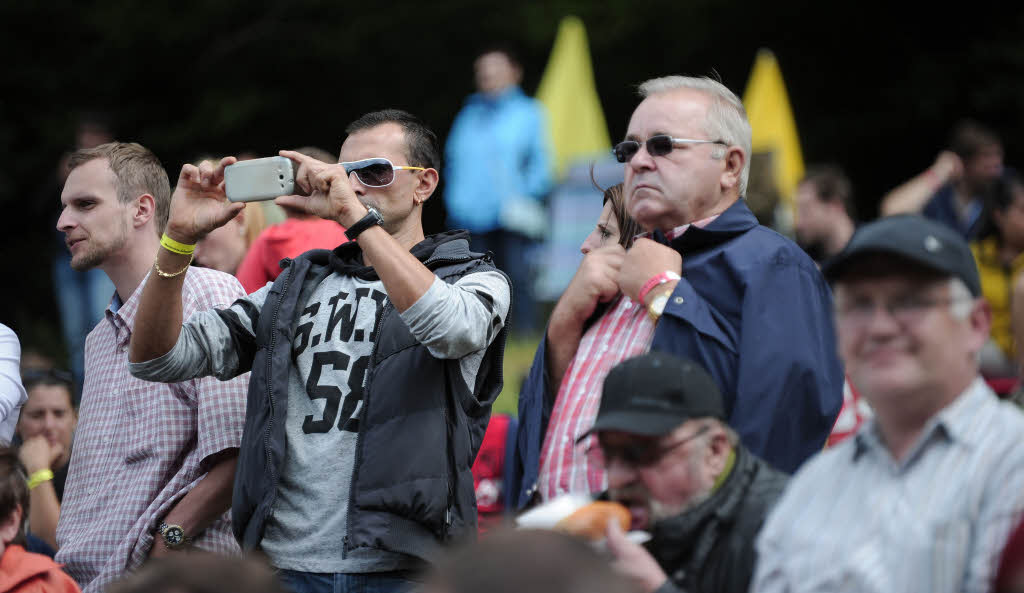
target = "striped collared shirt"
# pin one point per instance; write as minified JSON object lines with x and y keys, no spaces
{"x":624,"y":331}
{"x":854,"y":519}
{"x":140,"y":446}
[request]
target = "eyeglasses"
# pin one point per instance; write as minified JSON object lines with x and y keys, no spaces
{"x":906,"y":310}
{"x":378,"y":172}
{"x":659,"y":145}
{"x":638,"y":454}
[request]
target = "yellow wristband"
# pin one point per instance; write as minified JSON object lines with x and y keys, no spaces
{"x":37,"y":478}
{"x":175,"y":247}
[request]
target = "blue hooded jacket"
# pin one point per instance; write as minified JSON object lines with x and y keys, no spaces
{"x":497,"y":150}
{"x":754,"y":310}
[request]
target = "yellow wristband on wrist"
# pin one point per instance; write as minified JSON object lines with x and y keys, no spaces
{"x":175,"y":247}
{"x":37,"y":478}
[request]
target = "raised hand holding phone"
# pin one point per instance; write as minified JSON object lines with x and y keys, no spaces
{"x":330,"y":193}
{"x":199,"y":203}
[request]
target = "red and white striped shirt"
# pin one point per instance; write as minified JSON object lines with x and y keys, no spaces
{"x":623,"y":332}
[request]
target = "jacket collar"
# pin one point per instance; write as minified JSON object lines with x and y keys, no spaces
{"x":735,"y":220}
{"x":347,"y":258}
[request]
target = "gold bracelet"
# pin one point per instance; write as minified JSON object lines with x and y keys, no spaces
{"x":163,"y":274}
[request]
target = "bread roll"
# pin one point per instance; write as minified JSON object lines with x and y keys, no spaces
{"x":591,"y":521}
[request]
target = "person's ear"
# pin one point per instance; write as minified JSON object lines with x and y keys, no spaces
{"x":426,"y":183}
{"x":145,"y":210}
{"x":718,"y":451}
{"x":734,"y":161}
{"x":10,"y":525}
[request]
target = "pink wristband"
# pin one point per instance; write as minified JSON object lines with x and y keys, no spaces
{"x":656,"y":280}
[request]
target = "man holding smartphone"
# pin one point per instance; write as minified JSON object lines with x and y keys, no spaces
{"x":373,"y":365}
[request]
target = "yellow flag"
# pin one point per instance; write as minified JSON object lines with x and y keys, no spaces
{"x":578,"y":128}
{"x":773,"y":126}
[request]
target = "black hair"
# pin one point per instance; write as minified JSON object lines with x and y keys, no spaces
{"x":421,"y":142}
{"x":501,"y":47}
{"x":31,"y":378}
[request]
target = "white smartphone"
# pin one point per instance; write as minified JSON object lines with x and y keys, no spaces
{"x":259,"y":179}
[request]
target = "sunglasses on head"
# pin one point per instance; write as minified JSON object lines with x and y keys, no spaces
{"x":659,"y":145}
{"x":378,"y":172}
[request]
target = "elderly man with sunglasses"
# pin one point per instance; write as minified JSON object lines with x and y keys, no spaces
{"x":680,"y":470}
{"x":373,"y":366}
{"x":923,"y":497}
{"x":707,"y":283}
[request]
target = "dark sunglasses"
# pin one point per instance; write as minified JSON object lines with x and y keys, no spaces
{"x":378,"y":172}
{"x":659,"y":145}
{"x":639,"y":454}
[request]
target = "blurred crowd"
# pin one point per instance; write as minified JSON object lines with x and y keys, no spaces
{"x":295,"y":395}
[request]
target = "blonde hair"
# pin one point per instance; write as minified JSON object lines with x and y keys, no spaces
{"x":138,"y":172}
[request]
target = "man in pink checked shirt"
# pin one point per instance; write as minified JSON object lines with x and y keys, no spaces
{"x":152,"y":467}
{"x":707,"y":283}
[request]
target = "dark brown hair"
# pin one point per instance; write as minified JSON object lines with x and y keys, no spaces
{"x":628,"y":228}
{"x":13,"y":490}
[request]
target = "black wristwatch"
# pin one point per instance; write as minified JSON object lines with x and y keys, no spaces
{"x":372,"y":218}
{"x":174,"y":536}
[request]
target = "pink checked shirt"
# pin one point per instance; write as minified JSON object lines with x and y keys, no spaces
{"x":624,"y":331}
{"x":140,"y":447}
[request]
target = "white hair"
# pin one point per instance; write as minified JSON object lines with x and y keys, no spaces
{"x":726,"y":120}
{"x":961,"y":300}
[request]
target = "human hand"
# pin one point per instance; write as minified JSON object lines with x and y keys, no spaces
{"x":330,"y":194}
{"x":948,"y":167}
{"x":37,"y":453}
{"x":159,"y":549}
{"x":594,"y":282}
{"x":645,"y":260}
{"x":633,"y":560}
{"x":199,"y":204}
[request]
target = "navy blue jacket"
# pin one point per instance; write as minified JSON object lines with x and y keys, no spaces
{"x":754,"y":310}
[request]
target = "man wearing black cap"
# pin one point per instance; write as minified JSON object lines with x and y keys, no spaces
{"x":680,"y":470}
{"x":922,"y":498}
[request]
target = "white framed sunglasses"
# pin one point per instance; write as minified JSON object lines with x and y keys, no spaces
{"x":376,"y":172}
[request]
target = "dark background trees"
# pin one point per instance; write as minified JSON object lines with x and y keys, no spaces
{"x":874,"y":87}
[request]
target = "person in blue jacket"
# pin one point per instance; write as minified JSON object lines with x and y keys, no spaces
{"x":708,"y":283}
{"x":498,"y":172}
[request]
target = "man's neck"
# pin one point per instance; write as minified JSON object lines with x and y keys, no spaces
{"x":715,"y":209}
{"x":901,"y":427}
{"x":129,"y":266}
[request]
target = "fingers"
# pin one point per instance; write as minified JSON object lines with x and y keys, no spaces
{"x":298,"y":157}
{"x":189,"y":174}
{"x":218,"y":173}
{"x":206,"y":169}
{"x":294,"y":201}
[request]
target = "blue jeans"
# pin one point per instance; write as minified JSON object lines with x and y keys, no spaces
{"x":374,"y":582}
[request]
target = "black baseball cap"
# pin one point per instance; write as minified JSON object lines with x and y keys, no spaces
{"x":654,"y":393}
{"x":924,"y":242}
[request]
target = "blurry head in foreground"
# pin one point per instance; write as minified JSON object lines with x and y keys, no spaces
{"x":200,"y":572}
{"x":521,"y":561}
